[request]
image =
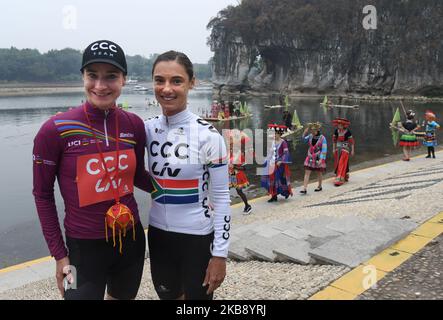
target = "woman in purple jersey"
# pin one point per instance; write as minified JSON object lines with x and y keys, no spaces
{"x":96,"y":152}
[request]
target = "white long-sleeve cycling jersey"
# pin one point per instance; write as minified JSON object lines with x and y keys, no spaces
{"x":188,"y":165}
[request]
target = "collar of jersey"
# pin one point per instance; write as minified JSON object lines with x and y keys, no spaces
{"x":177,"y":118}
{"x":96,"y":112}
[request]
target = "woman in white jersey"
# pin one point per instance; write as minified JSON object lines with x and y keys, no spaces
{"x":188,"y":243}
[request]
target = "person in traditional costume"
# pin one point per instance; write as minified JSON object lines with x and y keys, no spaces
{"x":316,"y":157}
{"x":237,"y":108}
{"x":214,"y":109}
{"x":226,"y":111}
{"x":287,"y":119}
{"x":430,"y":139}
{"x":231,"y":109}
{"x":238,"y":141}
{"x":221,"y":110}
{"x":408,"y":140}
{"x":342,"y":147}
{"x":278,"y":178}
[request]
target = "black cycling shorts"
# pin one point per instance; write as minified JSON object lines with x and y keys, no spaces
{"x":178,"y":264}
{"x":99,"y":266}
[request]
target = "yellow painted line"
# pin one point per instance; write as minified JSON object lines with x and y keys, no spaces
{"x":25,"y":265}
{"x":370,"y":168}
{"x":331,"y":293}
{"x":437,"y":219}
{"x":352,"y":284}
{"x":411,"y":244}
{"x":359,"y":280}
{"x":429,"y":230}
{"x":388,"y":259}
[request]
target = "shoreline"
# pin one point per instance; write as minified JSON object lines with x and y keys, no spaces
{"x":345,"y":96}
{"x":35,"y":89}
{"x":38,"y":89}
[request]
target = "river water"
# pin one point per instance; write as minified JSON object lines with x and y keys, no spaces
{"x":21,"y":117}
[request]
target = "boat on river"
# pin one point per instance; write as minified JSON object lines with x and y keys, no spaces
{"x":278,"y":106}
{"x":232,"y":118}
{"x":328,"y":104}
{"x":297,"y":127}
{"x":139,"y":88}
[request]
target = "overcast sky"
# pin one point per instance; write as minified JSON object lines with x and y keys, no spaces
{"x":139,"y":26}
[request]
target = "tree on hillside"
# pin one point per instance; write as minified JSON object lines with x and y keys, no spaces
{"x":30,"y":65}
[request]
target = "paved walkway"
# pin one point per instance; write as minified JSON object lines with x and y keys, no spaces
{"x":328,"y":245}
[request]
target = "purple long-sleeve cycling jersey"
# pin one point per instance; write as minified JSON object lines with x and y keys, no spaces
{"x":66,"y":149}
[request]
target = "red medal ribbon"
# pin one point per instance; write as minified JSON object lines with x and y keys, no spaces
{"x":119,"y":214}
{"x":97,"y":143}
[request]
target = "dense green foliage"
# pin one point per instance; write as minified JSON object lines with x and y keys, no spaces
{"x":284,"y":38}
{"x":313,"y":23}
{"x":29,"y":65}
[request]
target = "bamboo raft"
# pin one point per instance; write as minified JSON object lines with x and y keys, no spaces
{"x":278,"y":106}
{"x":233,"y":118}
{"x":339,"y":106}
{"x":296,"y":124}
{"x":297,"y":130}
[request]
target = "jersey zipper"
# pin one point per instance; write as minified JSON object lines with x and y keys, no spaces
{"x":106,"y":129}
{"x":164,"y":199}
